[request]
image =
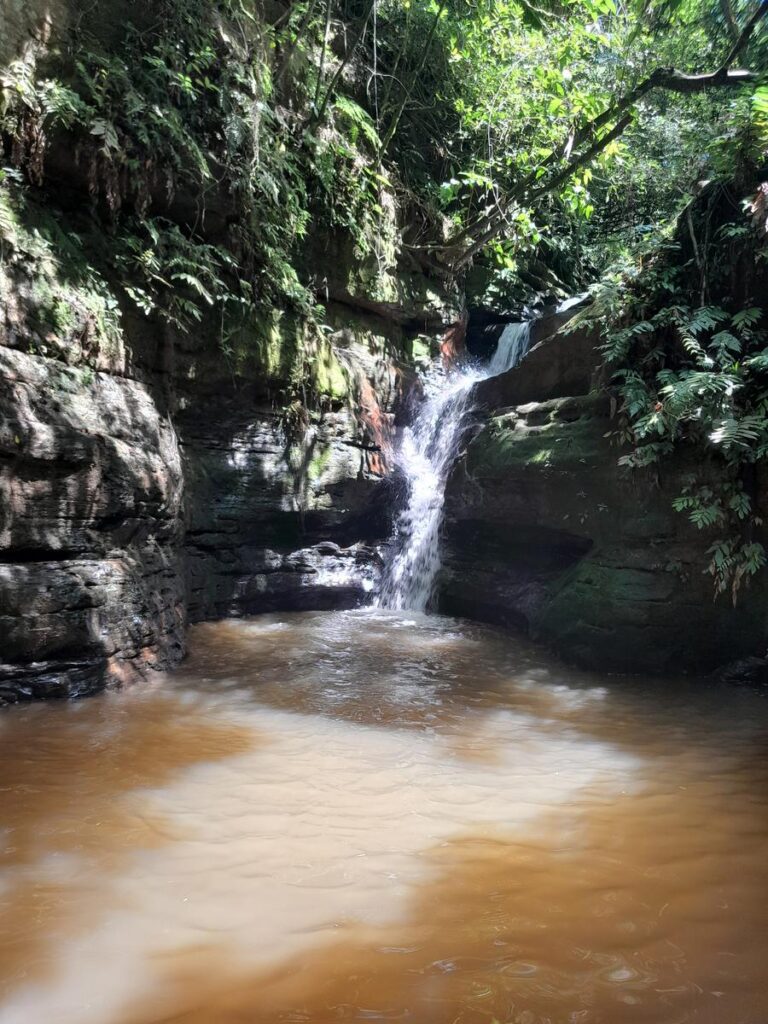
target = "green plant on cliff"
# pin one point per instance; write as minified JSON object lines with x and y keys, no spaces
{"x":219,"y":144}
{"x":190,"y":106}
{"x":685,"y":331}
{"x":323,"y":110}
{"x":69,"y":307}
{"x":697,"y":377}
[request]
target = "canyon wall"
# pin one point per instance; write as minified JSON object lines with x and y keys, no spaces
{"x":166,"y":485}
{"x":545,"y":531}
{"x":151,"y":475}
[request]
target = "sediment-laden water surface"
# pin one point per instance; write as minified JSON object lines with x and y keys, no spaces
{"x":378,"y":816}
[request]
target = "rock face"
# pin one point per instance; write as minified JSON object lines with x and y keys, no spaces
{"x":557,"y":365}
{"x":285,"y":512}
{"x":146,"y":479}
{"x":91,"y":579}
{"x":136,"y":499}
{"x":28,"y":23}
{"x":149,"y":478}
{"x":544,"y":530}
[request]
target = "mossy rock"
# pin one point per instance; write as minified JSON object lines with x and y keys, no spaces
{"x":626,"y":619}
{"x":562,"y":434}
{"x":329,"y":377}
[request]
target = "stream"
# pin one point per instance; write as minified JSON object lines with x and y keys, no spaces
{"x":377,"y":815}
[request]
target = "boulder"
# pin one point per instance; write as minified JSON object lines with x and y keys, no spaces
{"x":544,"y":530}
{"x":559,"y":363}
{"x":750,"y":671}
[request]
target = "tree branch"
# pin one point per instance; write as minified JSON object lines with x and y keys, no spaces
{"x":573,"y":165}
{"x":414,"y":77}
{"x":320,"y":112}
{"x":730,"y":21}
{"x":760,"y":11}
{"x":487,"y":227}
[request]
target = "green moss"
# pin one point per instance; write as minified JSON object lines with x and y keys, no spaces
{"x":421,"y":349}
{"x":318,"y":464}
{"x":543,"y":455}
{"x":270,"y":344}
{"x":595,"y":600}
{"x":279,"y":351}
{"x":328,"y":375}
{"x":600,"y":591}
{"x":508,"y":443}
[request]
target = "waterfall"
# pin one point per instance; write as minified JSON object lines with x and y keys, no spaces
{"x":428,"y":450}
{"x":511,"y":349}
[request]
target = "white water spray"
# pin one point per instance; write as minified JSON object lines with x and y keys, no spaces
{"x":428,"y":450}
{"x":512,"y":348}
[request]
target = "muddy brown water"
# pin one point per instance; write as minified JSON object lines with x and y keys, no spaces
{"x":378,"y":816}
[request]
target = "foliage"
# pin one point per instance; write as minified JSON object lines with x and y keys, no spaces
{"x":212,"y":88}
{"x":693,"y":376}
{"x":190,"y":108}
{"x":492,"y":101}
{"x":165,"y":271}
{"x":221,"y":144}
{"x":321,"y":114}
{"x":72,"y":309}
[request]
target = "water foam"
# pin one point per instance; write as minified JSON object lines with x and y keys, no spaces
{"x":428,"y":451}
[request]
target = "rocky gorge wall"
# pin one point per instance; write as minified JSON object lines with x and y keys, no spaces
{"x":150,"y":477}
{"x":163,"y":488}
{"x":91,"y":581}
{"x":544,"y":530}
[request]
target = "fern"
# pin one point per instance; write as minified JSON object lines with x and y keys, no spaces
{"x":747,"y":317}
{"x":740,"y":433}
{"x":694,"y":375}
{"x":726,"y":347}
{"x":705,"y":319}
{"x":359,"y":120}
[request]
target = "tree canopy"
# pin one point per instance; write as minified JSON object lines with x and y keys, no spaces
{"x":507,"y":128}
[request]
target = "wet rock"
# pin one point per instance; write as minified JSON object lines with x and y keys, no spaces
{"x":557,"y":365}
{"x":283,"y":515}
{"x":453,"y":346}
{"x":162,"y":489}
{"x":544,"y":530}
{"x":91,"y":575}
{"x":745,"y":672}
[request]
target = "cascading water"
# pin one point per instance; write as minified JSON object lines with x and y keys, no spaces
{"x":427,"y":453}
{"x":512,"y":348}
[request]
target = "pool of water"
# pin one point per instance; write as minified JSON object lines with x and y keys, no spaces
{"x":382,"y":816}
